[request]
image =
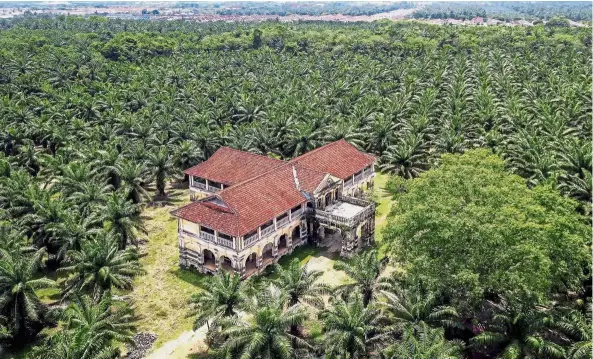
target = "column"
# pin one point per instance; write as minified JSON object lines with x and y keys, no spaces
{"x":303,"y":229}
{"x":217,"y":262}
{"x":275,"y":248}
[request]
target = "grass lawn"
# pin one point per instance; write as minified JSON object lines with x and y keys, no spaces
{"x":160,"y":296}
{"x":383,"y":209}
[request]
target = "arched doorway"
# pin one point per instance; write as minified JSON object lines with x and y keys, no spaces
{"x":209,"y":260}
{"x":226,"y":264}
{"x":282,"y":245}
{"x":296,"y":233}
{"x":267,"y":255}
{"x":251,"y":264}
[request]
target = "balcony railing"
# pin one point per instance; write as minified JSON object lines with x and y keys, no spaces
{"x":213,"y":189}
{"x":208,"y":237}
{"x":283,"y":222}
{"x":249,"y":241}
{"x":199,"y":185}
{"x":267,"y":231}
{"x":296,"y":214}
{"x":225,"y":242}
{"x":358,"y":178}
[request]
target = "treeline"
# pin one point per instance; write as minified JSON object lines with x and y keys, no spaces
{"x":296,"y":8}
{"x":311,"y":8}
{"x":506,"y":11}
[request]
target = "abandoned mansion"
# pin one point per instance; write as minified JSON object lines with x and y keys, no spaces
{"x":248,"y":210}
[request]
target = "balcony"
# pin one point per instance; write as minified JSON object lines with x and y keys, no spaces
{"x":283,"y":222}
{"x":213,"y":189}
{"x":225,"y":242}
{"x":346,"y":212}
{"x":296,"y":214}
{"x":267,"y":231}
{"x":200,"y":186}
{"x":249,"y":241}
{"x":208,"y":237}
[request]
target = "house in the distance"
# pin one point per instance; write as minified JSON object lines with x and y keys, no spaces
{"x":249,"y":210}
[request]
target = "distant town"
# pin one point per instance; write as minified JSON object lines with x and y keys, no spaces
{"x":516,"y":13}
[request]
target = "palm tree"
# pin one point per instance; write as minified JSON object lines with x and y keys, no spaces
{"x":365,"y":270}
{"x":576,"y":326}
{"x":100,"y":265}
{"x":133,"y":176}
{"x":90,"y":195}
{"x":219,"y":299}
{"x":424,"y":343}
{"x":300,"y":284}
{"x":90,"y":331}
{"x":516,"y":331}
{"x":408,"y":158}
{"x":122,"y":218}
{"x":352,"y":330}
{"x":410,"y":309}
{"x":266,"y":334}
{"x":18,"y":300}
{"x":186,"y":155}
{"x":161,"y":166}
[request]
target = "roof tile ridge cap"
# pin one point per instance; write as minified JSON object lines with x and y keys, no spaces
{"x":252,"y":154}
{"x":318,"y":148}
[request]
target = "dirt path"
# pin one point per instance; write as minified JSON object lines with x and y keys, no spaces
{"x":189,"y":342}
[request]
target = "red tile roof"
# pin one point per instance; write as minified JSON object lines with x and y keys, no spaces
{"x":253,"y":202}
{"x":339,"y":158}
{"x":271,"y":190}
{"x":230,"y":166}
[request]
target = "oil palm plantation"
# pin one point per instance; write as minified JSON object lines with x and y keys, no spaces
{"x":161,"y":166}
{"x":576,"y":326}
{"x":424,"y":343}
{"x":91,"y":330}
{"x":221,"y":298}
{"x":300,"y":284}
{"x":517,"y":331}
{"x":133,"y":176}
{"x":365,"y":270}
{"x":411,"y":308}
{"x":18,"y":300}
{"x":266,"y":334}
{"x":99,"y":266}
{"x":353,"y":330}
{"x":122,"y":218}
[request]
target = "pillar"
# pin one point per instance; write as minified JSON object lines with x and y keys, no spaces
{"x":303,"y":229}
{"x":275,"y":248}
{"x":348,"y":237}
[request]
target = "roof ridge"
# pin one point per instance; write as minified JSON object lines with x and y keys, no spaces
{"x":319,"y":148}
{"x":251,"y":153}
{"x":255,"y":177}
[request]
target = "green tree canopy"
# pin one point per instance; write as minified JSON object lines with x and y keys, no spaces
{"x":472,"y":230}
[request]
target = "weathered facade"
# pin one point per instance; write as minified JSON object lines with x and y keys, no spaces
{"x":250,"y":210}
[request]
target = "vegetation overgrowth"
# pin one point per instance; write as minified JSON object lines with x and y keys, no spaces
{"x":98,"y":115}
